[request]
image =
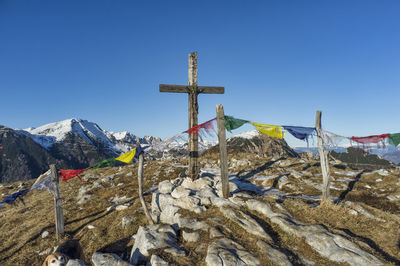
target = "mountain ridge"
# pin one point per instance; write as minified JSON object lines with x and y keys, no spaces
{"x":71,"y":143}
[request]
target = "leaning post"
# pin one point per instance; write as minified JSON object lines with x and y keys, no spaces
{"x":223,"y":150}
{"x":323,"y":158}
{"x":57,"y":201}
{"x":140,"y":181}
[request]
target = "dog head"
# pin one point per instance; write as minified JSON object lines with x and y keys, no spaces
{"x":56,"y":259}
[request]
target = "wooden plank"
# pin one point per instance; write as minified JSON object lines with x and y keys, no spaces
{"x":140,"y":182}
{"x":323,"y":158}
{"x":59,"y":217}
{"x":223,"y":151}
{"x":174,"y":88}
{"x":193,"y":118}
{"x":210,"y":90}
{"x":185,"y":89}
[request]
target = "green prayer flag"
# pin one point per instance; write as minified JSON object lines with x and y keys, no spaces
{"x":394,"y":139}
{"x":104,"y":163}
{"x":232,"y":123}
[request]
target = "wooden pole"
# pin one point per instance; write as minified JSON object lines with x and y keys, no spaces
{"x":193,"y":117}
{"x":323,"y":156}
{"x":223,"y":151}
{"x":140,"y":181}
{"x":57,"y":202}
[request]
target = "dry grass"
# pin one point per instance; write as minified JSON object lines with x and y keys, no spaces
{"x":21,"y":244}
{"x":21,"y":226}
{"x":378,"y":237}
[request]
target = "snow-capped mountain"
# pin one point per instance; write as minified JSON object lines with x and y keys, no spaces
{"x":70,"y":144}
{"x":47,"y":135}
{"x":57,"y":132}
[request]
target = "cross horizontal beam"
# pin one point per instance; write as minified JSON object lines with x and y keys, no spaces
{"x":185,"y":89}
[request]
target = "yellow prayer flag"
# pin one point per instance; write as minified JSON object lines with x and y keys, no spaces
{"x":127,"y":157}
{"x":270,"y":130}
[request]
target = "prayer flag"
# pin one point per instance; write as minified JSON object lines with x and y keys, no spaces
{"x":104,"y":163}
{"x":269,"y":130}
{"x":232,"y":123}
{"x":300,"y":132}
{"x":11,"y":198}
{"x":206,"y":125}
{"x":370,"y":139}
{"x":68,"y":174}
{"x":44,"y":183}
{"x":127,"y":157}
{"x":394,"y":139}
{"x":330,"y":139}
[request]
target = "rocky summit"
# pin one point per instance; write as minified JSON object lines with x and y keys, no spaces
{"x":274,"y":215}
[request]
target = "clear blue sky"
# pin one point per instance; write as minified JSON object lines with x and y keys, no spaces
{"x":279,"y":62}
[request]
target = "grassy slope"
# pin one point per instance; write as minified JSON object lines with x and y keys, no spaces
{"x":21,"y":226}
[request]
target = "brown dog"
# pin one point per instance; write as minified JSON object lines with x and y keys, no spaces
{"x":69,"y":249}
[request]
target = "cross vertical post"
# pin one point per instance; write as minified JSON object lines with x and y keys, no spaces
{"x":193,"y":117}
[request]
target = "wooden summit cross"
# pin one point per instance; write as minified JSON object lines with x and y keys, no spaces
{"x":193,"y":90}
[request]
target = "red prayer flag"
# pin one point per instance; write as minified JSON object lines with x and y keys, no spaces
{"x":370,"y":139}
{"x":68,"y":174}
{"x":206,"y":125}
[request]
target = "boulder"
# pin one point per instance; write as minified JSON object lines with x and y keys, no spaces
{"x":151,"y":237}
{"x":165,"y":187}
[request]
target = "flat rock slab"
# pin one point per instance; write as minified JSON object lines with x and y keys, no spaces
{"x":329,"y":245}
{"x":225,"y":251}
{"x":246,"y":222}
{"x":273,"y":254}
{"x":108,"y":259}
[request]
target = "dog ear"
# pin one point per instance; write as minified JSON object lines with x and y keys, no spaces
{"x":46,"y":262}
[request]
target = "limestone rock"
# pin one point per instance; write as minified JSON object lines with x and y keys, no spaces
{"x":261,"y":207}
{"x":197,"y":184}
{"x":157,"y":261}
{"x":246,"y":222}
{"x":126,"y":220}
{"x":180,"y":192}
{"x":215,"y":232}
{"x":75,"y":263}
{"x":151,"y":237}
{"x":45,"y":234}
{"x":107,"y":259}
{"x":176,"y":252}
{"x":107,"y":179}
{"x":227,"y":252}
{"x":274,"y":255}
{"x":334,"y":247}
{"x":165,"y":187}
{"x":84,"y":198}
{"x":190,"y":237}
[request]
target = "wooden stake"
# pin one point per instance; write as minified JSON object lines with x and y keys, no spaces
{"x":223,"y":151}
{"x":57,"y":202}
{"x":140,"y":179}
{"x":323,"y":159}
